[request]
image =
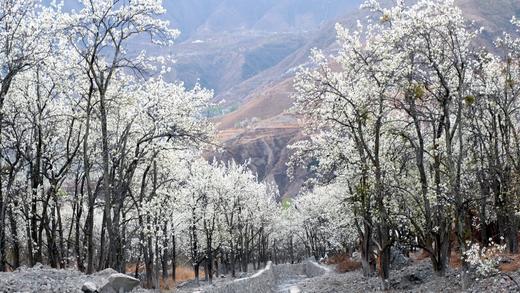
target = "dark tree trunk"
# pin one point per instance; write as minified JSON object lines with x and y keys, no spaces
{"x":165,"y":254}
{"x":367,"y":261}
{"x":196,"y":269}
{"x":441,"y":249}
{"x":148,"y":260}
{"x":174,"y":257}
{"x":3,"y":246}
{"x":16,"y":241}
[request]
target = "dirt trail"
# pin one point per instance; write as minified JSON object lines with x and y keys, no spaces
{"x":290,"y":285}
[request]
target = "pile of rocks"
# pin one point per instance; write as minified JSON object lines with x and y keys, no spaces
{"x":115,"y":283}
{"x":40,"y":278}
{"x":417,"y":277}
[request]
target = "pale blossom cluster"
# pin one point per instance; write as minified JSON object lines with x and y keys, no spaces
{"x":485,"y":260}
{"x":419,"y":124}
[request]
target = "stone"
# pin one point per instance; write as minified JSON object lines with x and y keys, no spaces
{"x":21,"y":268}
{"x":107,"y":288}
{"x":415,"y":279}
{"x":242,"y":275}
{"x":505,"y":259}
{"x":122,"y":283}
{"x":89,"y":287}
{"x":105,"y":273}
{"x":398,"y":259}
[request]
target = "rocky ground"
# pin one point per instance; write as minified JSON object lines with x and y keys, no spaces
{"x":45,"y":279}
{"x":416,"y":277}
{"x":42,"y":278}
{"x":191,"y":286}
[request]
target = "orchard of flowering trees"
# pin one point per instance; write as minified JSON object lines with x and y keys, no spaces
{"x":412,"y":129}
{"x":419,"y":125}
{"x":101,"y":157}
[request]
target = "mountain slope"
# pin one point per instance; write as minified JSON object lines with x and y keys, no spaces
{"x":237,"y":46}
{"x":198,"y":18}
{"x":268,"y":103}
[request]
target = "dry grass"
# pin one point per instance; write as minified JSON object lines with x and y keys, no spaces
{"x":513,"y":265}
{"x":130,"y":268}
{"x":182,"y":274}
{"x":344,"y":263}
{"x":167,"y":285}
{"x":187,"y":273}
{"x":419,"y":255}
{"x":348,"y":265}
{"x":336,"y":259}
{"x":455,"y":261}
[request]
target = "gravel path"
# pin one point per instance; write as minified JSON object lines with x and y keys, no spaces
{"x":291,"y":285}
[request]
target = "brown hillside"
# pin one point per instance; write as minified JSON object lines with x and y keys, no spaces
{"x":265,"y":140}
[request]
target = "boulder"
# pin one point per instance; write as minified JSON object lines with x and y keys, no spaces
{"x":21,"y":268}
{"x":242,"y":275}
{"x":398,"y":259}
{"x":105,"y":273}
{"x":506,"y":259}
{"x":119,"y":283}
{"x":89,"y":287}
{"x":107,"y":288}
{"x":414,"y":279}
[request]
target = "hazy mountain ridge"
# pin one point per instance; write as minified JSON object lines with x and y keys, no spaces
{"x":225,"y":43}
{"x":493,"y":16}
{"x":206,"y":17}
{"x":235,"y":47}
